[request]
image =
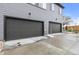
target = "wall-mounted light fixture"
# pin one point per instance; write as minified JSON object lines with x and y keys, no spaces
{"x":29,"y":13}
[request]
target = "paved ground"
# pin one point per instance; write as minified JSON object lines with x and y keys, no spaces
{"x":60,"y":44}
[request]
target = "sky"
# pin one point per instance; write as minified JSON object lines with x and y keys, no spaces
{"x":72,"y":10}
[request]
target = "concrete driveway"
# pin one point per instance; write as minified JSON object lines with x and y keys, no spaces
{"x":60,"y":44}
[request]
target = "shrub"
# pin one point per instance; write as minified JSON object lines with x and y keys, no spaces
{"x":69,"y":30}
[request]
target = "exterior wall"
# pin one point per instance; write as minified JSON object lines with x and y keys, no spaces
{"x":22,"y":10}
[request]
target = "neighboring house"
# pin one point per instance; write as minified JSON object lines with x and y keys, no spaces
{"x":24,"y":20}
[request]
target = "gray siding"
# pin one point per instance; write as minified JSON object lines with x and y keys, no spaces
{"x":21,"y":10}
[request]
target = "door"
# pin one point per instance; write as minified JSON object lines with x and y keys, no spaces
{"x":16,"y":28}
{"x":55,"y":27}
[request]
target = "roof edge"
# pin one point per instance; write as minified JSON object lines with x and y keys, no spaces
{"x":60,"y":5}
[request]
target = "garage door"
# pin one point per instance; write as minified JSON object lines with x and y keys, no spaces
{"x":55,"y":27}
{"x":16,"y":28}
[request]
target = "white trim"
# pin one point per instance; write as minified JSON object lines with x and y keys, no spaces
{"x":44,"y":5}
{"x":52,"y":7}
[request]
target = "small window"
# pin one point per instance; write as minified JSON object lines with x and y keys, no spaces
{"x":44,"y":6}
{"x":60,"y":11}
{"x":52,"y":7}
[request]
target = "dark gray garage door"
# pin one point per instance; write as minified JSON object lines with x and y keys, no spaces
{"x":16,"y":28}
{"x":55,"y":27}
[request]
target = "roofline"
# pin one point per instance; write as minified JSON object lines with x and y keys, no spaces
{"x":59,"y":5}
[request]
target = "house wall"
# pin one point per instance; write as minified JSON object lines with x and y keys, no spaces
{"x":22,"y":10}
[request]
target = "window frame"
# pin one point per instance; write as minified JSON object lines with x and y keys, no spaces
{"x":44,"y":5}
{"x":52,"y":7}
{"x":60,"y":10}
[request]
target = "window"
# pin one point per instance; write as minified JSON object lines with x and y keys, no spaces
{"x":52,"y":7}
{"x":60,"y":10}
{"x":44,"y":6}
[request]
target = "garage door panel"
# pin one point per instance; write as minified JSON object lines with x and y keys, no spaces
{"x":17,"y":29}
{"x":54,"y":27}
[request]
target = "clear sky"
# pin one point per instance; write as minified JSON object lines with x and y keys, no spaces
{"x":72,"y":10}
